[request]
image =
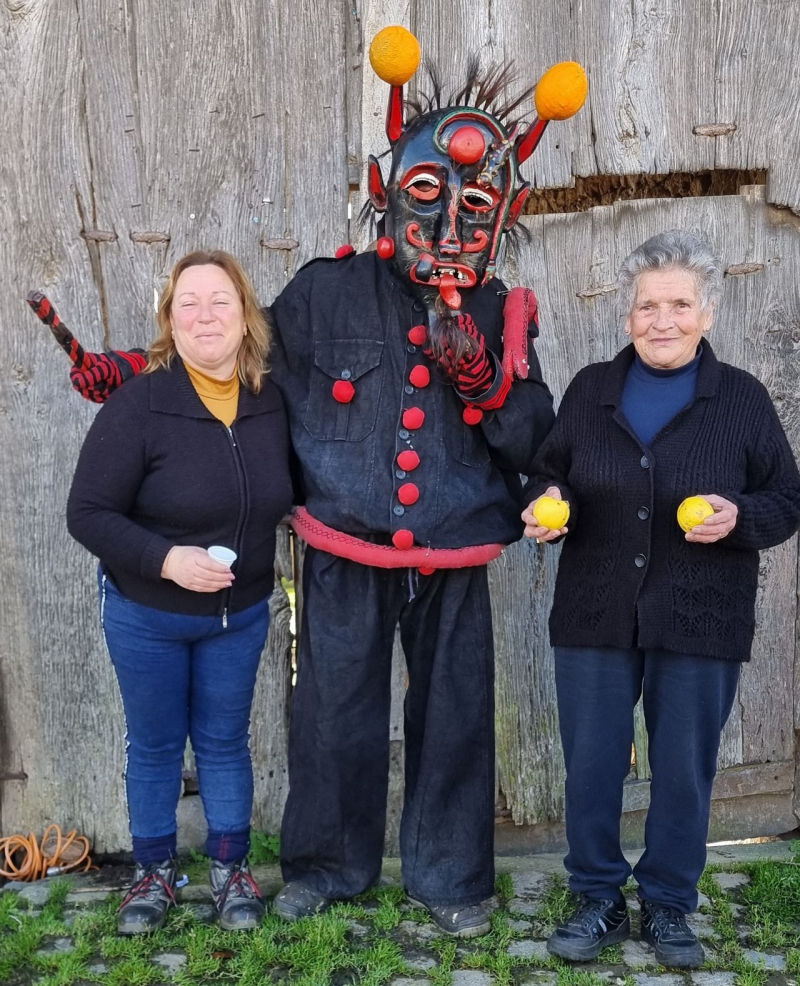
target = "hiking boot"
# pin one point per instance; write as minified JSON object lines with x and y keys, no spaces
{"x":145,"y":907}
{"x":665,"y":928}
{"x":236,"y":896}
{"x":296,"y":901}
{"x":458,"y":920}
{"x":591,"y":926}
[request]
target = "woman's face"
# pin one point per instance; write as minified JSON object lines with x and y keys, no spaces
{"x":207,"y":320}
{"x":666,"y":322}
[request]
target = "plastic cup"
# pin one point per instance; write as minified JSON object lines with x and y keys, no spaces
{"x":222,"y":554}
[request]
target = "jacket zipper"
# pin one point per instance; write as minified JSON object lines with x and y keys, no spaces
{"x":237,"y":459}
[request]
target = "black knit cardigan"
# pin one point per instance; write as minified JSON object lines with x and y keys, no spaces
{"x":627,"y":576}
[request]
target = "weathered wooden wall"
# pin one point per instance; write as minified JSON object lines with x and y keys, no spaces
{"x":136,"y":131}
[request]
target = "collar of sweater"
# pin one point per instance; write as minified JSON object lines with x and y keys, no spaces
{"x":172,"y":392}
{"x":616,"y":371}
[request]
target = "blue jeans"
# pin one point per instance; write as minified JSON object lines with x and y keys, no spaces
{"x":687,"y":700}
{"x":185,"y":676}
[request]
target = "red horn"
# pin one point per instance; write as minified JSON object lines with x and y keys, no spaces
{"x":394,"y":114}
{"x":527,"y":141}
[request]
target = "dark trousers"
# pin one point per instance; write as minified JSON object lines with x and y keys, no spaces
{"x":185,"y":676}
{"x":687,"y":701}
{"x":333,"y":826}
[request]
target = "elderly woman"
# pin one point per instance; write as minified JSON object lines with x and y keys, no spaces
{"x":192,"y":454}
{"x":641,"y":606}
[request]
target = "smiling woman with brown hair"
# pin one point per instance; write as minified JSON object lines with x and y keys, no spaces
{"x":189,"y":456}
{"x":642,"y":607}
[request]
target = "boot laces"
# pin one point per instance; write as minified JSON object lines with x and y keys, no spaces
{"x":151,"y":885}
{"x":670,"y":923}
{"x":239,"y":885}
{"x":587,"y":912}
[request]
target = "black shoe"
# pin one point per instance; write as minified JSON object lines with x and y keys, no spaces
{"x":592,"y":925}
{"x":458,"y":920}
{"x":665,"y":928}
{"x":296,"y":901}
{"x":147,"y":902}
{"x":236,"y":896}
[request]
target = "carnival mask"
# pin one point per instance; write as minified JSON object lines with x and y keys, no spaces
{"x":454,"y":186}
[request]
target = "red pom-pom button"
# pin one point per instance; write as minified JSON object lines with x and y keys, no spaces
{"x":344,"y":391}
{"x":472,"y":415}
{"x":426,"y":570}
{"x":418,"y":335}
{"x":408,"y":460}
{"x":385,"y":247}
{"x":467,"y":145}
{"x":420,"y":376}
{"x":344,"y":250}
{"x":413,"y":418}
{"x":408,"y":494}
{"x":403,"y":540}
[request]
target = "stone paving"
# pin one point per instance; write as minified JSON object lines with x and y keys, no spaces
{"x":634,"y":963}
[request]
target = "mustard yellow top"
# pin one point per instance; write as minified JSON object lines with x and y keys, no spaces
{"x":221,"y":397}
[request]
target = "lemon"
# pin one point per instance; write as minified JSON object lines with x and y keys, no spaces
{"x":551,"y":513}
{"x":693,"y":511}
{"x":561,"y":91}
{"x":394,"y":55}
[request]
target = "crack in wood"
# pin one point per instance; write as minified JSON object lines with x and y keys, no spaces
{"x":100,"y":235}
{"x":283,"y":243}
{"x":149,"y":236}
{"x":737,"y":269}
{"x":714,"y":129}
{"x":607,"y":189}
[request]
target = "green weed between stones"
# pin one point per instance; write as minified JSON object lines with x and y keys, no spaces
{"x":358,"y":942}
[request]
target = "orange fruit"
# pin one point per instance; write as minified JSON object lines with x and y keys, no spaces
{"x":693,"y":511}
{"x":561,"y":91}
{"x":394,"y":55}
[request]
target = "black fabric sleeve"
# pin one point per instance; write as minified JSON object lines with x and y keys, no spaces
{"x":110,"y":470}
{"x":769,"y":512}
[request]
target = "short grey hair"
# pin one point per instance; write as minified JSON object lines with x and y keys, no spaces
{"x":676,"y":249}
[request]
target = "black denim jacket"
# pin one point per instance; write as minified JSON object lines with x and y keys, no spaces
{"x":349,"y":320}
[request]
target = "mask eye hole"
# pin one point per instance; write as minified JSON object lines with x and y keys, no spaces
{"x":423,"y":185}
{"x":478,"y":199}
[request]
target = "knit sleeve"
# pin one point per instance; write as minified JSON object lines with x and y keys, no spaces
{"x":769,"y":511}
{"x":109,"y":474}
{"x":553,"y":461}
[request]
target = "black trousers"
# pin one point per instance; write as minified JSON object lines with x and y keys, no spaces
{"x":333,"y":826}
{"x":687,"y":701}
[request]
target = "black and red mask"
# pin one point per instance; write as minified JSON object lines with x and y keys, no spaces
{"x":454,"y":187}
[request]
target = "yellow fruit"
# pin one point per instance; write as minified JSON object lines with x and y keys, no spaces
{"x":394,"y":55}
{"x":551,"y":513}
{"x":561,"y":91}
{"x":693,"y":511}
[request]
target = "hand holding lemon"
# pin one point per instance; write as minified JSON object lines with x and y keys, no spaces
{"x":707,"y":518}
{"x":546,"y":517}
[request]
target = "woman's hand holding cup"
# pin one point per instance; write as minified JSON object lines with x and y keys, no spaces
{"x":194,"y":569}
{"x":533,"y":529}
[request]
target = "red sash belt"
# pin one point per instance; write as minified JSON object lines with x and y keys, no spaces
{"x":325,"y":538}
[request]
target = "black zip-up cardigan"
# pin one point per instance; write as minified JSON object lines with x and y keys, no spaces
{"x":627,"y":576}
{"x":157,"y":469}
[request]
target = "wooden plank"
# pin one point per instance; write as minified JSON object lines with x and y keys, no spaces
{"x":756,"y":45}
{"x":745,"y":781}
{"x":64,"y":722}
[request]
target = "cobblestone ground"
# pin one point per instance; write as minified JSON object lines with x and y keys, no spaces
{"x":68,"y":937}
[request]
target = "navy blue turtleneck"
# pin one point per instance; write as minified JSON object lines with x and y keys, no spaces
{"x":651,"y":398}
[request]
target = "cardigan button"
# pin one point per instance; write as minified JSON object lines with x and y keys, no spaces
{"x":398,"y":511}
{"x":642,"y":513}
{"x":644,"y":462}
{"x":640,"y":561}
{"x":405,"y":435}
{"x":346,"y":374}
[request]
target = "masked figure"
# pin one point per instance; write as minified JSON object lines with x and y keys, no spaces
{"x":415,"y":400}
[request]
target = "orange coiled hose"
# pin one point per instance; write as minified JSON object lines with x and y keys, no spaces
{"x":26,"y":859}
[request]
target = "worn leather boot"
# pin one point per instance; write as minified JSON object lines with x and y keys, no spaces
{"x":236,"y":896}
{"x":145,"y":907}
{"x":297,"y":901}
{"x":458,"y":920}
